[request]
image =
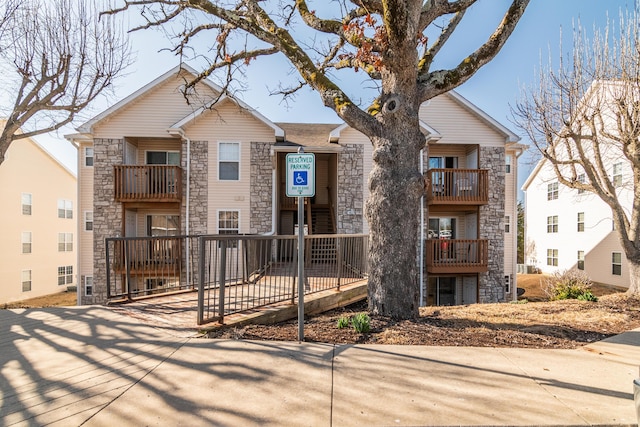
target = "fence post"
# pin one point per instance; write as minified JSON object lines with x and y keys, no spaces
{"x":106,"y":244}
{"x":294,"y":244}
{"x":223,"y":278}
{"x":339,"y":258}
{"x":201,"y":280}
{"x":128,"y":267}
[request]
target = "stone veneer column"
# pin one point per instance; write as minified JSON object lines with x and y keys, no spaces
{"x":107,"y":213}
{"x":349,"y":213}
{"x":198,"y":201}
{"x":261,"y":200}
{"x":491,"y":284}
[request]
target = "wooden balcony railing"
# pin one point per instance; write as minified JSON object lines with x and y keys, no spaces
{"x":456,"y":256}
{"x":457,"y":186}
{"x":148,"y":183}
{"x":151,"y":256}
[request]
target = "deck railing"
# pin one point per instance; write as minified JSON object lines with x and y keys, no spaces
{"x":457,"y":256}
{"x":237,"y":272}
{"x":148,"y":183}
{"x":457,"y":186}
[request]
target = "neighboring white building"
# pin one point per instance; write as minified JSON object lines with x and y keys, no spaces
{"x":38,"y":251}
{"x":571,"y":229}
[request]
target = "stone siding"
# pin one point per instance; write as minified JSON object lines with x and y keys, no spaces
{"x":261,"y":202}
{"x":107,"y":214}
{"x":491,"y":284}
{"x":350,"y":189}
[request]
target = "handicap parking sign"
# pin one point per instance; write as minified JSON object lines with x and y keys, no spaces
{"x":301,"y":171}
{"x":300,"y":177}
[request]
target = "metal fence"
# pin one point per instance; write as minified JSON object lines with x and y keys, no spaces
{"x":144,"y":266}
{"x":239,"y":273}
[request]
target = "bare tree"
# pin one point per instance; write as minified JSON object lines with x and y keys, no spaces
{"x":584,"y":118}
{"x":56,"y":57}
{"x":387,"y":41}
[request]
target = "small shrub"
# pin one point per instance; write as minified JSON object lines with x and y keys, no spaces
{"x":343,"y":322}
{"x":569,"y":284}
{"x":361,"y":323}
{"x":520,"y":301}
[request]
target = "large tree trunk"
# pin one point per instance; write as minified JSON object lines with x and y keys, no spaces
{"x":634,"y":275}
{"x":392,"y":211}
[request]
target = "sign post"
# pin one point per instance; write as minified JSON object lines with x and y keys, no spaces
{"x":301,"y":177}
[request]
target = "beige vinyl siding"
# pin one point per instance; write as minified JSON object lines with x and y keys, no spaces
{"x":85,"y":203}
{"x":510,"y":208}
{"x":229,"y":123}
{"x":446,"y":115}
{"x":597,"y":262}
{"x":30,"y":169}
{"x":151,"y":114}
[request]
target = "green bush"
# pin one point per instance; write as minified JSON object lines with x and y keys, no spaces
{"x":343,"y":322}
{"x":361,"y":323}
{"x":569,"y":284}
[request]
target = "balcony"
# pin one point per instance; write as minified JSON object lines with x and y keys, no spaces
{"x":150,"y":256}
{"x":457,"y":186}
{"x":456,"y":256}
{"x":148,"y":183}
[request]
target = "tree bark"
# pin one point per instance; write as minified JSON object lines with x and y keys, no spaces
{"x":634,"y":275}
{"x":392,"y":210}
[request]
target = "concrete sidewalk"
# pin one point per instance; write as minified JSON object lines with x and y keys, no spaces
{"x":93,"y":366}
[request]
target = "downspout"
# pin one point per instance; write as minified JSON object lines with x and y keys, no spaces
{"x":421,"y":251}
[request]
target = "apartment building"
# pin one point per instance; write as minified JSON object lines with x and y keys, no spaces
{"x":155,"y":165}
{"x":38,"y":252}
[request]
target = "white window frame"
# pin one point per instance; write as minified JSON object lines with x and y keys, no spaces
{"x":228,"y":230}
{"x":88,"y":157}
{"x":552,"y":191}
{"x":616,"y":178}
{"x":65,"y":208}
{"x":65,"y":242}
{"x":508,"y":163}
{"x":582,"y":178}
{"x":580,"y":263}
{"x":616,"y":265}
{"x":88,"y":221}
{"x":88,"y":286}
{"x":65,"y":275}
{"x":27,"y":242}
{"x":507,"y":224}
{"x":552,"y":257}
{"x":24,"y":279}
{"x":229,"y":160}
{"x":167,"y":152}
{"x":552,"y":224}
{"x":580,"y":224}
{"x":27,"y":207}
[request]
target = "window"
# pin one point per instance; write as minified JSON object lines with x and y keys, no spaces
{"x":507,"y":160}
{"x":552,"y":224}
{"x":65,"y":275}
{"x":228,"y":223}
{"x":65,"y":209}
{"x":65,"y":242}
{"x":580,"y":260}
{"x":88,"y":285}
{"x":507,"y":283}
{"x":88,"y":221}
{"x":616,"y":263}
{"x":88,"y":156}
{"x":617,"y":175}
{"x":507,"y":224}
{"x":26,"y":242}
{"x":26,"y":203}
{"x":163,"y":225}
{"x":552,"y":191}
{"x":163,"y":158}
{"x":229,"y":161}
{"x":26,"y":280}
{"x":580,"y":221}
{"x":552,"y":257}
{"x":581,"y":179}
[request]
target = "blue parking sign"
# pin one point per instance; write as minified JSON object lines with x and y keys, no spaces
{"x":300,"y":178}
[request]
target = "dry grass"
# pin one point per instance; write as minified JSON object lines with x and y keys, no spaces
{"x":62,"y":299}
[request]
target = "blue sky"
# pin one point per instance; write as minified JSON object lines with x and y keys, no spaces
{"x":494,"y":88}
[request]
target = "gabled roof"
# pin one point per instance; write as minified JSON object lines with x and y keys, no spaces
{"x":509,"y":135}
{"x":87,"y":127}
{"x":431,"y":133}
{"x":533,"y":174}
